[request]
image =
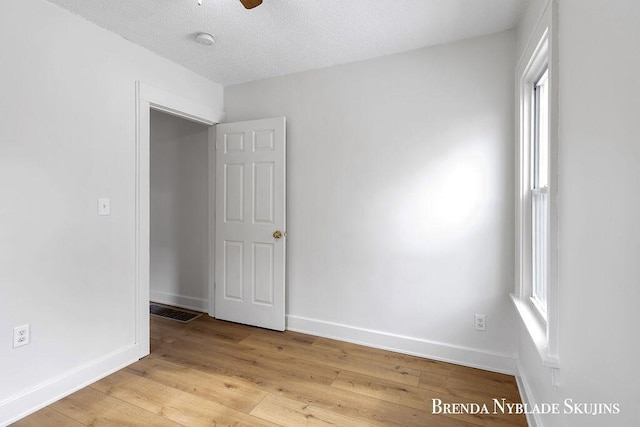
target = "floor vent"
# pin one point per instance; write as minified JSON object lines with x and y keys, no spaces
{"x":172,"y":313}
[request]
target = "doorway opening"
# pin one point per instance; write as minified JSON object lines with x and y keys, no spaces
{"x":151,"y":101}
{"x":179,"y":212}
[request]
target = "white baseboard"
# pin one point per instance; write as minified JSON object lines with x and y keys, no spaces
{"x":191,"y":303}
{"x":459,"y":355}
{"x":35,"y":398}
{"x":533,"y":420}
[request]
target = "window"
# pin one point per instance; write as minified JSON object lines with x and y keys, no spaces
{"x":536,"y":293}
{"x":540,"y":192}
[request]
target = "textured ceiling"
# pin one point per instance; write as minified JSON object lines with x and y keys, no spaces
{"x":286,"y":36}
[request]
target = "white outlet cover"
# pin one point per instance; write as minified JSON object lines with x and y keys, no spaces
{"x":21,"y":336}
{"x":480,"y":322}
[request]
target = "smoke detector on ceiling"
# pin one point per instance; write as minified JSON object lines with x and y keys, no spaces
{"x":205,"y":39}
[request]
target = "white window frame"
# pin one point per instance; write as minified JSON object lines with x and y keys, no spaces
{"x":540,"y":322}
{"x":539,"y":191}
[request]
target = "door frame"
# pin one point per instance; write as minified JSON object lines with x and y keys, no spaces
{"x":147,"y":98}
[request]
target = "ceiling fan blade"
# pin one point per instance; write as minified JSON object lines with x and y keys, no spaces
{"x":250,"y":4}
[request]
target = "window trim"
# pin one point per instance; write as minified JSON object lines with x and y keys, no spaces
{"x":540,"y":52}
{"x":539,"y":188}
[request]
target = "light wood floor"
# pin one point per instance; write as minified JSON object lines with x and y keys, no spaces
{"x":214,"y":373}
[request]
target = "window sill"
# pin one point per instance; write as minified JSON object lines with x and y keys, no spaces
{"x":537,"y":331}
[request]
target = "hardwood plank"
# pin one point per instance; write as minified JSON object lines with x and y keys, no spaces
{"x":224,"y":390}
{"x":362,"y":407}
{"x":244,"y":362}
{"x":470,"y":388}
{"x":291,"y":336}
{"x":205,"y":326}
{"x":93,"y":408}
{"x":385,"y":390}
{"x":172,"y":403}
{"x":415,"y":397}
{"x":47,"y":417}
{"x":283,"y":345}
{"x":219,"y":330}
{"x":414,"y":362}
{"x":287,"y":412}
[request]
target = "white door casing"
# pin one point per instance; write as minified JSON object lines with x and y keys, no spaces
{"x":250,"y":210}
{"x":149,"y":97}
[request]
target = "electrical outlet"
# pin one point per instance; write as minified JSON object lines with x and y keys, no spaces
{"x":480,"y":322}
{"x":20,"y":336}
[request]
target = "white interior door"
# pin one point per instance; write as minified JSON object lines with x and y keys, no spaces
{"x":250,"y":223}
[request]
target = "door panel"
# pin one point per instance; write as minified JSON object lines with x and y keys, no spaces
{"x":264,"y":193}
{"x":250,"y":207}
{"x":234,"y":193}
{"x":233,"y":270}
{"x":263,"y":273}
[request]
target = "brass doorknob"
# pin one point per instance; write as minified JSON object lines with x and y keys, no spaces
{"x":277,"y":234}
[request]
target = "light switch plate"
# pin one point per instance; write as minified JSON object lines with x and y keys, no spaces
{"x":104,"y":206}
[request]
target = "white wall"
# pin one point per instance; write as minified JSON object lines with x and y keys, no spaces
{"x":67,"y":137}
{"x":599,"y":207}
{"x":528,"y":24}
{"x":179,"y":261}
{"x":400,"y":197}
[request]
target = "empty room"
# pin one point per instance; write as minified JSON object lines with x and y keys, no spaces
{"x":319,"y":212}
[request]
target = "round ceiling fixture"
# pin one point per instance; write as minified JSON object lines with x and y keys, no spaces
{"x":205,"y":39}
